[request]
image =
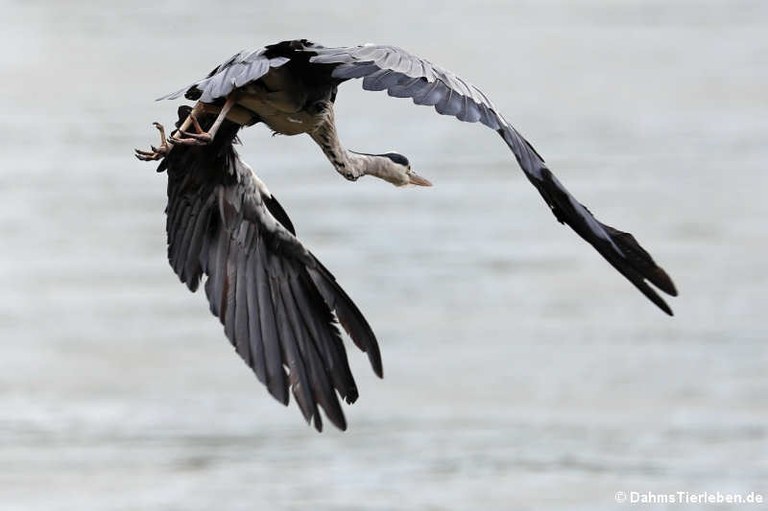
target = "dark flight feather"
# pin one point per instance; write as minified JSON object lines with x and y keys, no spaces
{"x":278,"y":305}
{"x":403,"y":74}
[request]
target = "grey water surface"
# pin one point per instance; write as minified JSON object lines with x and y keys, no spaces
{"x":521,"y":371}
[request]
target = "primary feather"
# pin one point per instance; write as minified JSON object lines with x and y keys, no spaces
{"x":278,"y":304}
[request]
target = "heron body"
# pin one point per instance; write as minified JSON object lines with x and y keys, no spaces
{"x":283,"y":88}
{"x":285,"y":103}
{"x":279,"y":305}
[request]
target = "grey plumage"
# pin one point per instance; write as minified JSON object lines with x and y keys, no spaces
{"x":242,"y":68}
{"x":402,"y":74}
{"x":278,"y":304}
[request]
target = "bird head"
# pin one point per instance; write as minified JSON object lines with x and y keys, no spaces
{"x":400,"y":172}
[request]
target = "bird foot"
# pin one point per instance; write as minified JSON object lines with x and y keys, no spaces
{"x":198,"y":137}
{"x":190,"y":138}
{"x":155,"y":153}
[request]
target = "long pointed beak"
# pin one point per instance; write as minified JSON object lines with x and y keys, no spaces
{"x":415,"y":179}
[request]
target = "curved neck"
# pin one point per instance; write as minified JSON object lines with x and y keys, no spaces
{"x":350,"y":164}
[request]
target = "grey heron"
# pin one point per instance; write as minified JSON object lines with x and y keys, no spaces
{"x":279,"y":305}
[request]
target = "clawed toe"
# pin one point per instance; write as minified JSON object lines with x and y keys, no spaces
{"x":155,"y":153}
{"x":197,"y":137}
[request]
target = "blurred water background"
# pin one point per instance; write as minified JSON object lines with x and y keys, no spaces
{"x":521,"y":371}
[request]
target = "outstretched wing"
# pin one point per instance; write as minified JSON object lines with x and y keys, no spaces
{"x":274,"y":298}
{"x":405,"y":75}
{"x":238,"y":70}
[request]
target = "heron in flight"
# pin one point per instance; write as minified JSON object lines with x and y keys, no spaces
{"x":279,"y":305}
